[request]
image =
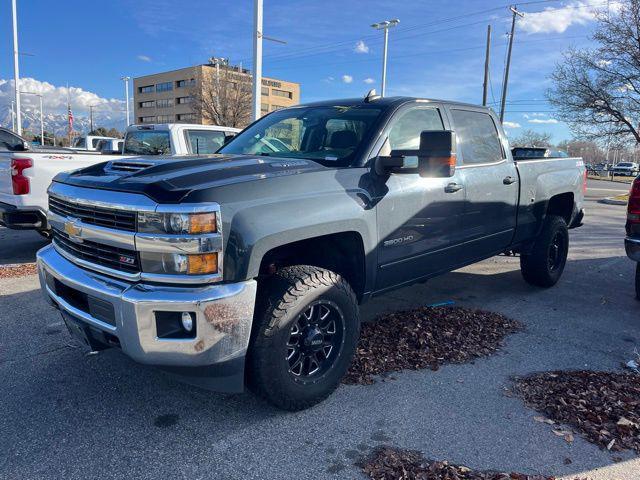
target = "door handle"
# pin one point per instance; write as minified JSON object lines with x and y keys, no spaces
{"x":452,"y":188}
{"x":508,"y":180}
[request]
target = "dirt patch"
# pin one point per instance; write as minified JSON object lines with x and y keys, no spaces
{"x":426,"y":337}
{"x":604,"y":407}
{"x":394,"y":463}
{"x":21,"y":270}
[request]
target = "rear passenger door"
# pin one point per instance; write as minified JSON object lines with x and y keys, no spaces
{"x":490,"y":180}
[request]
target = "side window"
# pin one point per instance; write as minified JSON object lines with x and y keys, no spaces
{"x":477,"y":136}
{"x":205,"y":141}
{"x":9,"y":141}
{"x":405,"y":130}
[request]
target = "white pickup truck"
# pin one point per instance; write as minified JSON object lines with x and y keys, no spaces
{"x":26,"y":175}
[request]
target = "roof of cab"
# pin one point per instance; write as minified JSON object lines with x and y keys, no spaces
{"x":384,"y":102}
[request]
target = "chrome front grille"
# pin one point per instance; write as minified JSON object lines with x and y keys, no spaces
{"x":115,"y":258}
{"x":94,"y":215}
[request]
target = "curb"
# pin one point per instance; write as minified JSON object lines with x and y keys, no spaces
{"x":612,"y":201}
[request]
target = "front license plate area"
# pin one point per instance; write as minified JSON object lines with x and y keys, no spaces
{"x":83,"y":333}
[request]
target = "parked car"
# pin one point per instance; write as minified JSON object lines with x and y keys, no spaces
{"x":89,"y":143}
{"x":632,"y":241}
{"x":24,"y":177}
{"x":252,"y":266}
{"x":176,"y":139}
{"x":112,"y":146}
{"x":536,"y":152}
{"x":626,"y":169}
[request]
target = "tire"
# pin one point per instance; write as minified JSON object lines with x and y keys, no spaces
{"x":543,"y":267}
{"x":289,"y":302}
{"x":637,"y":281}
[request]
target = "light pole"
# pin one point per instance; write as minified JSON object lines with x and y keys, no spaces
{"x":91,"y":107}
{"x":257,"y":58}
{"x":16,"y":68}
{"x":41,"y":115}
{"x":385,"y":27}
{"x":126,"y":95}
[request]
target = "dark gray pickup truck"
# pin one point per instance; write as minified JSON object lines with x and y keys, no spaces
{"x":247,"y":267}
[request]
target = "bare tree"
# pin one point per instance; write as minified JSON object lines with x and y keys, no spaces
{"x":597,"y":91}
{"x":224,"y":98}
{"x":531,"y":138}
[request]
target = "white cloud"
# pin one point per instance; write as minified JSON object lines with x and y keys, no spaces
{"x":361,"y":47}
{"x":546,"y":121}
{"x":55,"y":98}
{"x":347,"y":78}
{"x":369,"y":80}
{"x":604,"y":63}
{"x":557,"y":20}
{"x":144,"y":58}
{"x":510,"y":124}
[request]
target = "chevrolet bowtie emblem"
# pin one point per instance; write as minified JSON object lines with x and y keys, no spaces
{"x":73,"y":230}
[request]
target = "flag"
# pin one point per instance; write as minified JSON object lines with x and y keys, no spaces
{"x":70,"y":117}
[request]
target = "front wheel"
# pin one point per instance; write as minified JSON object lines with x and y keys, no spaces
{"x":544,"y":265}
{"x":305,"y":332}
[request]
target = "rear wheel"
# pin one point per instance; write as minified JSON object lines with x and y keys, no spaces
{"x":545,"y":264}
{"x":306,"y":329}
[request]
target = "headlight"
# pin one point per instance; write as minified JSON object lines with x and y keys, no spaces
{"x":179,"y":264}
{"x":177,"y":223}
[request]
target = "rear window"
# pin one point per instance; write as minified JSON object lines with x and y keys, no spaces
{"x":625,"y":164}
{"x":477,"y":137}
{"x":80,"y":142}
{"x":147,"y":142}
{"x":204,"y":141}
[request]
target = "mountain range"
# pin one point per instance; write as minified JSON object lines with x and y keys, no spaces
{"x":57,"y":122}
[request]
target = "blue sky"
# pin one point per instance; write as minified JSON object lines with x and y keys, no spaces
{"x":437,"y":50}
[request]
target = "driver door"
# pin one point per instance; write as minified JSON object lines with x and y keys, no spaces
{"x":418,"y":219}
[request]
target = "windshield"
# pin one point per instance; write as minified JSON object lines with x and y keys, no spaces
{"x":625,"y":164}
{"x":331,"y":135}
{"x":147,"y":142}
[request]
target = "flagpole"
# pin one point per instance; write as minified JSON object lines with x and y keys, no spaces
{"x":68,"y":115}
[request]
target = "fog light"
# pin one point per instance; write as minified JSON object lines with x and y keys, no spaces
{"x":187,"y":321}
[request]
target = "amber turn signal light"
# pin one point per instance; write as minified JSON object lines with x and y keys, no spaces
{"x":203,"y":223}
{"x":204,"y":264}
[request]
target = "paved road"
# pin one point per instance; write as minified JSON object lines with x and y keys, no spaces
{"x":63,"y":414}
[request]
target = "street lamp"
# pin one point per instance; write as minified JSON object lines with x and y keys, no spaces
{"x":16,"y":68}
{"x":91,"y":107}
{"x":385,"y":27}
{"x":41,"y":115}
{"x":126,"y":95}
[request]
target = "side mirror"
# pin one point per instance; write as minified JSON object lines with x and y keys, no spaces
{"x":436,"y":156}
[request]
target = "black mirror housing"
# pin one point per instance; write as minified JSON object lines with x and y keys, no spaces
{"x":436,"y":156}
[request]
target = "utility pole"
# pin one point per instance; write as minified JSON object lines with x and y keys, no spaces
{"x":485,"y":85}
{"x":516,"y":14}
{"x":126,"y":96}
{"x":257,"y":58}
{"x":16,"y":69}
{"x":385,"y":27}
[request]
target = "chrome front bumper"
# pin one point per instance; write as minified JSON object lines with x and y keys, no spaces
{"x":224,"y":314}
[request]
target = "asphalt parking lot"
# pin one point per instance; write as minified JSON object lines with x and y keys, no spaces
{"x":65,"y":414}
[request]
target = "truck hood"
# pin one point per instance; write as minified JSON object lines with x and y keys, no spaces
{"x":171,"y":179}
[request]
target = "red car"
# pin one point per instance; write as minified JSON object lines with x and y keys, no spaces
{"x":632,"y":242}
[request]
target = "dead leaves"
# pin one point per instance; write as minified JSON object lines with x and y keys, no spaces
{"x":387,"y":463}
{"x":20,"y":270}
{"x":603,"y":406}
{"x":426,"y":337}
